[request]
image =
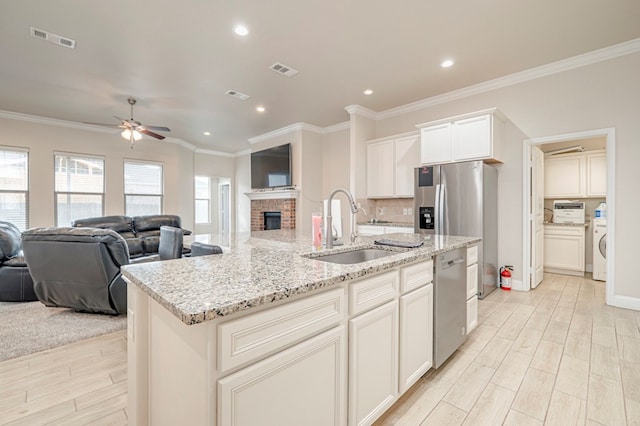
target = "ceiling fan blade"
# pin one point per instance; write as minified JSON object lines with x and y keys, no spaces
{"x":120,"y":119}
{"x":150,"y":133}
{"x":157,"y":128}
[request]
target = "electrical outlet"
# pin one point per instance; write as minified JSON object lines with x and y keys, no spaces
{"x":404,"y":212}
{"x":381,"y":211}
{"x":359,"y":205}
{"x":409,"y":211}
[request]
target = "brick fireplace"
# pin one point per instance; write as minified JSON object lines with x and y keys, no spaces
{"x":286,"y":207}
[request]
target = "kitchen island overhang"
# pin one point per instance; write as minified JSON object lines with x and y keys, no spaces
{"x":181,"y":310}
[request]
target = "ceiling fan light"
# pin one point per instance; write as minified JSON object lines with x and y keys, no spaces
{"x":126,"y":134}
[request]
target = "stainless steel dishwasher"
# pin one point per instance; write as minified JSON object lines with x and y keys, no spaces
{"x":450,"y":304}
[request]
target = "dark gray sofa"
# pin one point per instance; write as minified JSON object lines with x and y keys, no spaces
{"x":78,"y":268}
{"x":141,"y":233}
{"x":16,"y":284}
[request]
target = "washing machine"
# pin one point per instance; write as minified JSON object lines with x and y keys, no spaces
{"x":600,"y":249}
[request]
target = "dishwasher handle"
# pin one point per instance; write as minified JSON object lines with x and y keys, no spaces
{"x":452,"y":262}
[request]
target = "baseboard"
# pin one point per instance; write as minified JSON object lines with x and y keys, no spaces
{"x":518,"y":285}
{"x":564,"y":272}
{"x":626,"y":302}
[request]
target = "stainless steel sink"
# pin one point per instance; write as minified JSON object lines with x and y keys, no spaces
{"x":355,"y":256}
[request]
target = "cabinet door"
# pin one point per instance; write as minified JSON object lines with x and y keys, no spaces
{"x":472,"y":314}
{"x":397,"y":230}
{"x":472,"y":280}
{"x":406,"y":160}
{"x":472,"y":138}
{"x":597,"y":175}
{"x":380,"y":170}
{"x":373,"y":363}
{"x":303,"y":385}
{"x":564,"y":177}
{"x":436,"y":144}
{"x":416,"y":335}
{"x":564,"y":249}
{"x":371,"y":230}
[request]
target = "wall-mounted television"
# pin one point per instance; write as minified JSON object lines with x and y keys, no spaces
{"x":271,"y":168}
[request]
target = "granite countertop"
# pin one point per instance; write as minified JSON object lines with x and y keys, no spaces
{"x":579,"y":225}
{"x":397,"y":224}
{"x":263,"y":267}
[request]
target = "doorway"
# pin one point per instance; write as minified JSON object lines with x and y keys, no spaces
{"x":537,"y":208}
{"x":225,"y":204}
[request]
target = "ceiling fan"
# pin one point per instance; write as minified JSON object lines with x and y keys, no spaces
{"x":133,"y":129}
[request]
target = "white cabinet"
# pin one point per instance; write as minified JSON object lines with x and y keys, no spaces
{"x":581,"y":175}
{"x":475,"y":136}
{"x":303,"y":385}
{"x":416,"y":335}
{"x":390,"y":167}
{"x":373,"y":364}
{"x":564,"y":250}
{"x":472,"y":288}
{"x":597,"y":175}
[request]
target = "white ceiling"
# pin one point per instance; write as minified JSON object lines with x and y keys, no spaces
{"x":178,"y":58}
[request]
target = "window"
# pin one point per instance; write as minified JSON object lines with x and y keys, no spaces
{"x":203,"y":199}
{"x":14,"y":186}
{"x":142,"y":188}
{"x":79,"y":187}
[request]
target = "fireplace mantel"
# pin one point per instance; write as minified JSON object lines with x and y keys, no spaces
{"x":273,"y":195}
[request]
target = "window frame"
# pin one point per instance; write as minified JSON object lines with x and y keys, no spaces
{"x":67,"y":155}
{"x":124,"y":183}
{"x":17,"y":191}
{"x":196,"y":199}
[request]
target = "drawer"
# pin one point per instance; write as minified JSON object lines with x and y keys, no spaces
{"x":472,"y":280}
{"x":255,"y":336}
{"x":416,"y":275}
{"x":472,"y":314}
{"x":370,"y":230}
{"x":371,"y":292}
{"x":397,"y":230}
{"x":472,"y":255}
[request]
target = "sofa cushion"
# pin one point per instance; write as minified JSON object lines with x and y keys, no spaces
{"x":120,"y":224}
{"x":10,"y":241}
{"x":16,"y":262}
{"x":151,"y":244}
{"x":135,"y":247}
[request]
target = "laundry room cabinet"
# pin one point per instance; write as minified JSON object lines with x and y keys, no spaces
{"x":581,"y":175}
{"x":564,"y":249}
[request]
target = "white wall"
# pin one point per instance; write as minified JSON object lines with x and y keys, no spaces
{"x":43,"y":140}
{"x":335,"y":170}
{"x":601,"y":95}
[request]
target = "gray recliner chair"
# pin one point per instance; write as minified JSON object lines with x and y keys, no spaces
{"x":78,"y":268}
{"x":16,"y":284}
{"x":202,"y":249}
{"x":171,"y":241}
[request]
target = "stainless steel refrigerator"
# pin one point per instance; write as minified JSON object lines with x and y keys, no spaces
{"x":462,"y":199}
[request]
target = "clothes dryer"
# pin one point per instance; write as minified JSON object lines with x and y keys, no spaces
{"x":600,"y":249}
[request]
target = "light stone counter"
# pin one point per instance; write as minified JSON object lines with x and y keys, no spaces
{"x":263,"y":267}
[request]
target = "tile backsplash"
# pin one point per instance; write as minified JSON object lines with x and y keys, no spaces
{"x":391,"y":210}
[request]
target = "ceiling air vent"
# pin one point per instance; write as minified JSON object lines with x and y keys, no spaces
{"x":283,"y":69}
{"x":239,"y":95}
{"x":53,"y":38}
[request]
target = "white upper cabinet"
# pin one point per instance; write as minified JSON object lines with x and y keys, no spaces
{"x":390,"y":167}
{"x":476,"y":136}
{"x":581,"y":175}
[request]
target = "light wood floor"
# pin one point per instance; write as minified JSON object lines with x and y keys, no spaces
{"x":556,"y":355}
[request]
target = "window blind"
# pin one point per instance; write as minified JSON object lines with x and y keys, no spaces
{"x":202,"y":199}
{"x":79,"y":188}
{"x":14,"y":187}
{"x":143,"y":188}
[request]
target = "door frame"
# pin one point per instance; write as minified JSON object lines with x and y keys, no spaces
{"x":609,"y":134}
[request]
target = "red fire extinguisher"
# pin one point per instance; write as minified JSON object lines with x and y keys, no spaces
{"x":505,"y":277}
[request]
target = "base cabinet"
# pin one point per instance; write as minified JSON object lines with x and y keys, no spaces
{"x":373,"y":363}
{"x":303,"y":385}
{"x":564,"y":250}
{"x":416,"y":335}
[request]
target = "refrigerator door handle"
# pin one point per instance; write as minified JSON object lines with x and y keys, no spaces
{"x":437,"y":213}
{"x":441,"y":201}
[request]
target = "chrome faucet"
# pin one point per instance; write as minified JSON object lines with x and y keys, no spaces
{"x":329,"y":230}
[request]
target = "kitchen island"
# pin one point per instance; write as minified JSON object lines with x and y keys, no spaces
{"x":268,"y":334}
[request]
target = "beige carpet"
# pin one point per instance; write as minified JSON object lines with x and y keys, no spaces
{"x":31,"y":327}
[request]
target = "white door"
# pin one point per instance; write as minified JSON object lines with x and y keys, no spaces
{"x":537,"y":215}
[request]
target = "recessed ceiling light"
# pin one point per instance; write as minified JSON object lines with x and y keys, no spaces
{"x":241,"y":30}
{"x":207,"y":133}
{"x":447,"y":63}
{"x":260,"y":109}
{"x":368,"y":92}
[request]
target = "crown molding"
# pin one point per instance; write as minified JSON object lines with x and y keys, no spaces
{"x":611,"y":52}
{"x":216,"y":153}
{"x":36,"y":119}
{"x":296,"y":127}
{"x":345,"y":125}
{"x":360,"y":110}
{"x":243,"y":152}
